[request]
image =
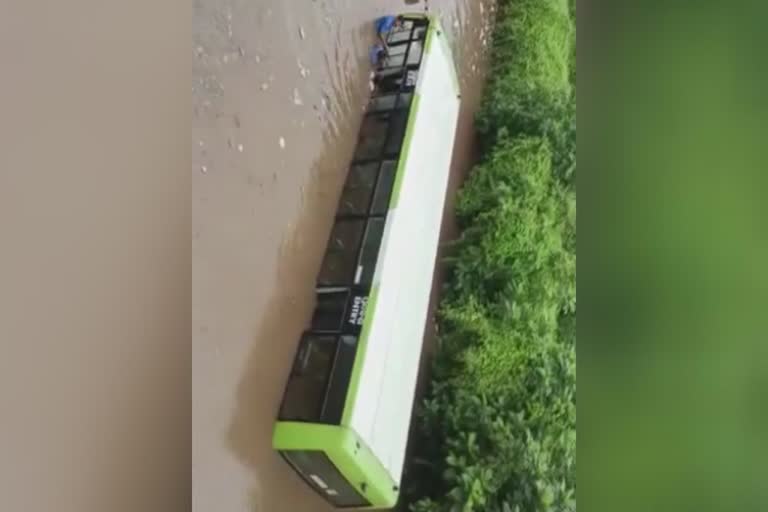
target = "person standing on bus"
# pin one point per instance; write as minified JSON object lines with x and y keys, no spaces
{"x":384,"y":25}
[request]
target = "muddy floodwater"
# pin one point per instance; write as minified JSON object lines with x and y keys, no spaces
{"x":279,"y":89}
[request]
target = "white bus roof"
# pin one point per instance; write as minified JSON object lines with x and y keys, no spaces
{"x":381,"y":396}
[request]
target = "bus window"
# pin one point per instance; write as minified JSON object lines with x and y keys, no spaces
{"x":356,"y":196}
{"x":414,"y":54}
{"x":389,"y":100}
{"x":329,"y":311}
{"x":370,"y":251}
{"x":384,"y":187}
{"x":372,"y":137}
{"x":381,"y":103}
{"x":397,"y":132}
{"x":404,"y":100}
{"x":407,"y":53}
{"x":396,"y":57}
{"x":398,"y":49}
{"x":401,"y":35}
{"x":396,"y":61}
{"x":339,"y":382}
{"x":305,"y":393}
{"x":339,"y":263}
{"x":391,"y":80}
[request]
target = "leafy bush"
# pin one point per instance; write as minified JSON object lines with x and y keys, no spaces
{"x":513,"y":251}
{"x":514,"y":456}
{"x":531,"y":86}
{"x":532,"y":48}
{"x":531,"y":64}
{"x":497,"y":432}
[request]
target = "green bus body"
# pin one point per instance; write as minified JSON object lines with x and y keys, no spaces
{"x":314,"y":431}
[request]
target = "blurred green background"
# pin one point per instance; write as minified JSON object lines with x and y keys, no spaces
{"x":673,"y":256}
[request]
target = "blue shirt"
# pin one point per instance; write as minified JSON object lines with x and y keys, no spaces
{"x":384,"y":24}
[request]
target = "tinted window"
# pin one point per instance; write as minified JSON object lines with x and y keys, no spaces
{"x":404,"y":100}
{"x":305,"y":392}
{"x":391,"y":83}
{"x":414,"y":54}
{"x":370,"y":252}
{"x":341,"y":254}
{"x":358,"y":189}
{"x":401,"y":35}
{"x":399,"y":120}
{"x":398,"y":49}
{"x":384,"y":187}
{"x":396,"y":57}
{"x":372,"y":136}
{"x":329,"y":311}
{"x":338,"y":384}
{"x":379,"y":103}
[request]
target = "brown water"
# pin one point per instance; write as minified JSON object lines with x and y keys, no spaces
{"x":279,"y":89}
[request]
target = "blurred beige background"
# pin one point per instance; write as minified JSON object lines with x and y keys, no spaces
{"x":94,"y":256}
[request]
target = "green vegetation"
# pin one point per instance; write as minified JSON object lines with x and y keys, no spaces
{"x":497,"y":432}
